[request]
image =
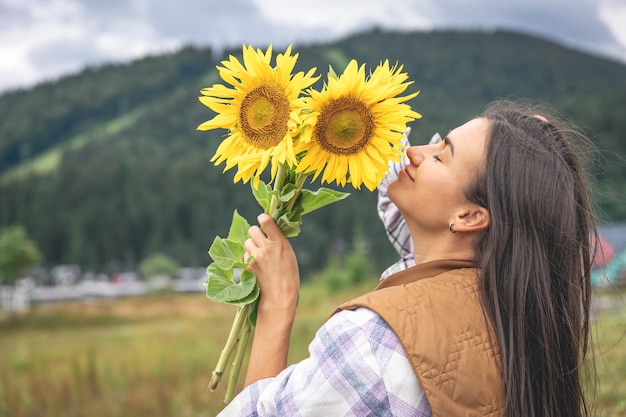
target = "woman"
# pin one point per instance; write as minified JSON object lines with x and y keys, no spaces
{"x":491,"y":315}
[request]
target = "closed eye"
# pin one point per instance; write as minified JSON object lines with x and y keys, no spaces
{"x":436,"y":157}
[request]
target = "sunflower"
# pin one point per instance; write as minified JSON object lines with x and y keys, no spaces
{"x":261,"y":111}
{"x":356,"y":124}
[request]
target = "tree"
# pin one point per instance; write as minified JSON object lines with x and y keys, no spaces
{"x":158,"y":264}
{"x":17,"y":253}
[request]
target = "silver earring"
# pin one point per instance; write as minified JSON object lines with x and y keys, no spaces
{"x":451,"y":228}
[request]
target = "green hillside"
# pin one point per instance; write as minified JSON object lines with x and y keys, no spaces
{"x":106,"y":167}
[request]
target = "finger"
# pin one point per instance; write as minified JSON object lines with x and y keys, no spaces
{"x":249,"y":247}
{"x":256,"y":235}
{"x":252,"y":248}
{"x":270,"y":228}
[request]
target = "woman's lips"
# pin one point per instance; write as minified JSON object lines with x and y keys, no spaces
{"x":407,"y":173}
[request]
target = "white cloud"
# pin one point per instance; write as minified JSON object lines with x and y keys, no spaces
{"x":26,"y":25}
{"x":341,"y":17}
{"x":576,"y":23}
{"x":613,"y":13}
{"x":44,"y":39}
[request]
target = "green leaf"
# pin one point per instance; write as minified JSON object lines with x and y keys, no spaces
{"x":262,"y":194}
{"x":288,"y":192}
{"x":222,"y":288}
{"x":227,"y":253}
{"x":312,"y":200}
{"x":238,"y":229}
{"x":254,"y":309}
{"x":247,"y":275}
{"x":289,"y":223}
{"x":250,"y":298}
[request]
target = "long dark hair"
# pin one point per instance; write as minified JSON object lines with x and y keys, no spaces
{"x":535,"y":259}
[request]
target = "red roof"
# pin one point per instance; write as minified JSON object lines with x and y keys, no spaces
{"x":604,"y":252}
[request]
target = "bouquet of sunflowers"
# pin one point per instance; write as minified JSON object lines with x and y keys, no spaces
{"x":347,"y":132}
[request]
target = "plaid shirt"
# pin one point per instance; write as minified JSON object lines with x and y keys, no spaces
{"x":357,"y":366}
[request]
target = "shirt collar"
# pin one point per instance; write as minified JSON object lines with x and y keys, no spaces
{"x":424,"y":270}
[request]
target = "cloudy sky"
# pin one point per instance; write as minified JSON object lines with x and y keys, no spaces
{"x":44,"y":39}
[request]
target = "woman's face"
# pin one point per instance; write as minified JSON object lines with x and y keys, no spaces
{"x":429,"y":192}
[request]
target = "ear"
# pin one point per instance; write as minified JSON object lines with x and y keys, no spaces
{"x":472,"y":219}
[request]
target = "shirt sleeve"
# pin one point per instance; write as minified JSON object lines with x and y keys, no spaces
{"x":356,"y":367}
{"x":395,"y":226}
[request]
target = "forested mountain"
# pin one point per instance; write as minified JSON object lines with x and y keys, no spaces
{"x":106,"y":167}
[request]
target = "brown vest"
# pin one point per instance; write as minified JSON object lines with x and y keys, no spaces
{"x":434,"y":310}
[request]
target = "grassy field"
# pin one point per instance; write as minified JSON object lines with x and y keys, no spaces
{"x":153,"y":356}
{"x":610,"y":356}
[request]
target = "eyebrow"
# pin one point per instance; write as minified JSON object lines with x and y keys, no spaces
{"x":448,"y":143}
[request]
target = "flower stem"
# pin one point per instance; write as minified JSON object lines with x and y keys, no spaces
{"x":279,"y":182}
{"x":300,"y":178}
{"x":241,"y":317}
{"x":241,"y":328}
{"x":244,"y":335}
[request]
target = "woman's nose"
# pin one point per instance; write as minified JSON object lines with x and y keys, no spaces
{"x":415,"y":154}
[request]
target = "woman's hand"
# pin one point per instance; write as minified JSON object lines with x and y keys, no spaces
{"x":274,"y":264}
{"x":276,"y":270}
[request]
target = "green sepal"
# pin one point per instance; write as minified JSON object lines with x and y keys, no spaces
{"x":331,"y":73}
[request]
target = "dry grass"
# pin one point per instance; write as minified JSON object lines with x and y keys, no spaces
{"x":153,"y":356}
{"x":133,"y":357}
{"x":144,"y":356}
{"x":610,"y":360}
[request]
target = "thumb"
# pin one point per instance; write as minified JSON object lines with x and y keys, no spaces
{"x":272,"y":231}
